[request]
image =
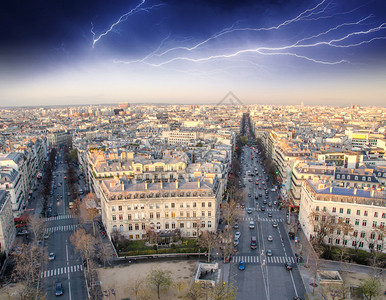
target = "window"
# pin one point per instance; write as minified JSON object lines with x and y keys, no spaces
{"x":158,"y":215}
{"x":151,"y":215}
{"x":120,"y":217}
{"x":115,"y":228}
{"x":135,"y":206}
{"x":121,"y":228}
{"x":354,"y":243}
{"x":338,"y":232}
{"x":194,"y":214}
{"x":317,"y":208}
{"x":341,"y":210}
{"x":344,"y":242}
{"x":150,"y":206}
{"x":332,"y":219}
{"x":182,"y":225}
{"x":203,"y":204}
{"x":348,"y":177}
{"x":209,"y":204}
{"x":384,"y":214}
{"x":158,"y":225}
{"x":356,"y":178}
{"x":374,"y":224}
{"x":343,"y":177}
{"x":194,"y":204}
{"x":324,"y":218}
{"x":136,"y":226}
{"x":347,"y":220}
{"x":202,"y":214}
{"x":376,"y":214}
{"x":316,"y":217}
{"x":181,"y":214}
{"x":167,"y":205}
{"x":379,"y":247}
{"x":348,"y":211}
{"x":203,"y":224}
{"x":371,"y":246}
{"x":173,"y":225}
{"x":209,"y":213}
{"x":157,"y":205}
{"x":363,"y":234}
{"x":130,"y":227}
{"x":355,"y":233}
{"x":120,"y":207}
{"x":188,"y":214}
{"x":380,"y":237}
{"x":166,"y":225}
{"x":372,"y":235}
{"x":166,"y":214}
{"x":173,"y":214}
{"x":356,"y":221}
{"x":187,"y":205}
{"x":330,"y":240}
{"x":364,"y":223}
{"x":209,"y":224}
{"x":382,"y":225}
{"x":337,"y":241}
{"x":172,"y":205}
{"x":337,"y":176}
{"x":334,"y":209}
{"x":114,"y":217}
{"x":112,"y":208}
{"x":181,"y":205}
{"x":142,"y":206}
{"x":366,"y":213}
{"x":128,"y":207}
{"x":360,"y":245}
{"x":358,"y":212}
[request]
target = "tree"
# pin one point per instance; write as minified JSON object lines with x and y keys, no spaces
{"x":37,"y":226}
{"x":27,"y":266}
{"x":208,"y":240}
{"x":104,"y":252}
{"x":370,"y":288}
{"x":195,"y":292}
{"x":160,"y":280}
{"x":223,"y":291}
{"x":88,"y":210}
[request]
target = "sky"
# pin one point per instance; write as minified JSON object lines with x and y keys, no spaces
{"x":192,"y":52}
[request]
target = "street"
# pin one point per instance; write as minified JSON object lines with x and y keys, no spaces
{"x":265,"y":276}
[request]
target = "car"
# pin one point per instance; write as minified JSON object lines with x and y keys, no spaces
{"x":269,"y":252}
{"x":236,"y":226}
{"x":273,"y":190}
{"x":22,"y":232}
{"x":237,"y":234}
{"x":270,"y":214}
{"x":270,"y":238}
{"x":59,"y":289}
{"x":270,"y":204}
{"x":253,"y":242}
{"x":249,"y":194}
{"x":260,"y":195}
{"x":274,"y":225}
{"x":274,"y":202}
{"x":264,"y":201}
{"x":263,"y":208}
{"x":236,"y":242}
{"x":249,"y":210}
{"x":241,"y":265}
{"x":288,"y":266}
{"x":251,"y":225}
{"x":46,"y":236}
{"x":51,"y":257}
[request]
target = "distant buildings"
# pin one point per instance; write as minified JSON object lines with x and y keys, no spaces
{"x":7,"y":226}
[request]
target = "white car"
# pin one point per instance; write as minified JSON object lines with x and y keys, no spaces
{"x":51,"y":257}
{"x":251,"y":224}
{"x":270,"y":238}
{"x":237,"y":235}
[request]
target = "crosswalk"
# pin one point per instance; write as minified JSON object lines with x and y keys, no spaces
{"x":277,"y":220}
{"x":269,"y":259}
{"x":61,"y":270}
{"x":61,"y":228}
{"x":60,"y":217}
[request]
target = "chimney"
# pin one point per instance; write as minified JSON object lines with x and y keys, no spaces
{"x":372,"y":193}
{"x":145,"y":185}
{"x":198,"y":183}
{"x":330,"y":189}
{"x":123,"y":186}
{"x":355,"y":191}
{"x":176,"y":184}
{"x":161,"y":185}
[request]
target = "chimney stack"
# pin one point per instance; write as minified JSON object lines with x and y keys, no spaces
{"x":145,"y":185}
{"x":176,"y":184}
{"x":355,"y":191}
{"x":198,"y":183}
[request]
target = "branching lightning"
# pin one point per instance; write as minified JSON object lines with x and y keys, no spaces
{"x":121,"y":19}
{"x":344,"y":35}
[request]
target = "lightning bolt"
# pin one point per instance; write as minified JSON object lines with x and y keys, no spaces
{"x":121,"y":19}
{"x":320,"y":39}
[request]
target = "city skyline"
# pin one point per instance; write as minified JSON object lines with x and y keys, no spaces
{"x":266,"y":52}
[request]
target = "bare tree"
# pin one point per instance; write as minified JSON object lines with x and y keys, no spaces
{"x":28,"y":260}
{"x":208,"y":240}
{"x":104,"y":252}
{"x":88,"y":210}
{"x":37,"y":226}
{"x":138,"y":287}
{"x":195,"y":292}
{"x":160,"y":280}
{"x":223,"y":291}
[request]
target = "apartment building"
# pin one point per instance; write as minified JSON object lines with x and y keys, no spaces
{"x":364,"y":210}
{"x":7,"y":226}
{"x":135,"y":208}
{"x":180,"y":137}
{"x":341,"y":159}
{"x":10,"y":181}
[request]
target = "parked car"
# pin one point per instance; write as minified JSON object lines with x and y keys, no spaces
{"x":22,"y":232}
{"x":236,"y":226}
{"x":237,"y":234}
{"x":52,"y":256}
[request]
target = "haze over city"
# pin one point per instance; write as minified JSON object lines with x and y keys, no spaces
{"x":187,"y":52}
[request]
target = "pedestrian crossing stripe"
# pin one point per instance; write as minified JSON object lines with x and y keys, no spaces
{"x":61,"y":270}
{"x":271,"y":220}
{"x":269,"y":259}
{"x":60,"y":217}
{"x":61,"y":228}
